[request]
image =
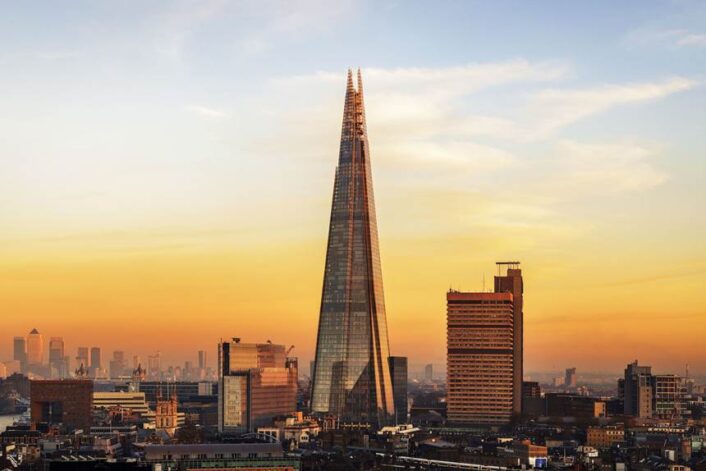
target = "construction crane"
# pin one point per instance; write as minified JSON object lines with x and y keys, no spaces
{"x":289,"y":350}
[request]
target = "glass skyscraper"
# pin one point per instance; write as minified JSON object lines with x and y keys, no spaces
{"x":352,"y":374}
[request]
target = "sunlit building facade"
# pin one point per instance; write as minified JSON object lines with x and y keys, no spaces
{"x":351,"y":375}
{"x":480,"y":357}
{"x":511,"y":282}
{"x":256,"y":383}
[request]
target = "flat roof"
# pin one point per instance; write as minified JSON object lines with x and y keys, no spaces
{"x":459,"y":296}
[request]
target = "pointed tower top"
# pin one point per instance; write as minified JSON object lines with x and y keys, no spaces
{"x":360,"y":82}
{"x":34,"y":331}
{"x":349,"y":86}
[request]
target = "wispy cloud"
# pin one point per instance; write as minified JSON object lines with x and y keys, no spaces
{"x":558,"y":108}
{"x":671,"y":38}
{"x":692,"y":39}
{"x":461,"y":79}
{"x":607,"y":168}
{"x":206,"y":111}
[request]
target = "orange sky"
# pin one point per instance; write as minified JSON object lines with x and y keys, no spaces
{"x":179,"y":292}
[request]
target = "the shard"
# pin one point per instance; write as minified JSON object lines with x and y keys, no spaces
{"x":351,"y":374}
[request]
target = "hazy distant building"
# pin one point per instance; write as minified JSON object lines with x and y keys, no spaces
{"x":96,"y":361}
{"x":35,"y":348}
{"x":511,"y":282}
{"x":19,"y":351}
{"x":57,"y":361}
{"x":118,"y":364}
{"x":352,"y":375}
{"x":429,"y":373}
{"x":66,"y":402}
{"x":12,"y":367}
{"x":202,"y":359}
{"x":256,"y":383}
{"x":399,"y":374}
{"x":570,"y":378}
{"x":154,"y":366}
{"x":82,"y":357}
{"x":480,"y":355}
{"x":637,"y":390}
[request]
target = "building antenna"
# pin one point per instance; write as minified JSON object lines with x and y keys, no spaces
{"x":484,"y":282}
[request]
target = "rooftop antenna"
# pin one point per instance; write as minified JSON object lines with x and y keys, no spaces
{"x":484,"y":282}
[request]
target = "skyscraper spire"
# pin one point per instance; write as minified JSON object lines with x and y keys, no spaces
{"x":352,"y":374}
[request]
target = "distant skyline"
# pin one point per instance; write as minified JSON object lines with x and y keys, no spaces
{"x":166,"y":169}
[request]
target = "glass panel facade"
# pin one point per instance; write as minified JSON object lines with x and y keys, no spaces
{"x":351,"y":375}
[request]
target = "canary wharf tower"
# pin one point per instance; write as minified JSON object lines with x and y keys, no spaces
{"x":351,"y":374}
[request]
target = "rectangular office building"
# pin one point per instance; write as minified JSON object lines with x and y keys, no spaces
{"x":256,"y":383}
{"x":480,"y":357}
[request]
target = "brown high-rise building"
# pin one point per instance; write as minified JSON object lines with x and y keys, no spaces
{"x":67,"y":402}
{"x":480,"y":357}
{"x":256,"y":383}
{"x":511,"y":282}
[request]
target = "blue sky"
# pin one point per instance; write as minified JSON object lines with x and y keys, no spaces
{"x":546,"y":131}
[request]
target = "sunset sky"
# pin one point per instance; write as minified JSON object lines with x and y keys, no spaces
{"x":166,"y":171}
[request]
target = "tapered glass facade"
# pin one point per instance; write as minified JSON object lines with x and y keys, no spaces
{"x":351,"y":374}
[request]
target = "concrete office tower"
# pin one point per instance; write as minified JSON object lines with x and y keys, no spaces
{"x":352,"y":374}
{"x":637,"y":390}
{"x":480,"y":354}
{"x":56,"y":357}
{"x":35,"y":348}
{"x":96,"y":364}
{"x":570,"y":378}
{"x":256,"y":382}
{"x":399,"y":374}
{"x":19,"y":351}
{"x":429,"y":373}
{"x":511,"y":282}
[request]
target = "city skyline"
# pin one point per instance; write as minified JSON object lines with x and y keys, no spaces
{"x":165,"y":182}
